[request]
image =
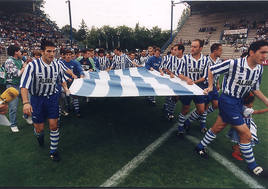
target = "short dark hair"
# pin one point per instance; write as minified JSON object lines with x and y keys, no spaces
{"x":201,"y":42}
{"x":85,"y":50}
{"x":181,"y":47}
{"x":45,"y":43}
{"x":67,"y":51}
{"x":101,"y":50}
{"x":76,"y":51}
{"x":157,"y":49}
{"x":257,"y":45}
{"x":214,"y":47}
{"x":118,"y":49}
{"x":12,"y":49}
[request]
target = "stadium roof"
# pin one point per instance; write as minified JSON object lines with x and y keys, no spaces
{"x":19,"y":5}
{"x":225,"y":6}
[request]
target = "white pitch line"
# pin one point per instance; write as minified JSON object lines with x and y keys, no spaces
{"x":120,"y":175}
{"x":240,"y":174}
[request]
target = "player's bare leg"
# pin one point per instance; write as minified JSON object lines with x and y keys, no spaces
{"x":39,"y":132}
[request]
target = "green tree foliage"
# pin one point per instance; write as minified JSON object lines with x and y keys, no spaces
{"x":66,"y":31}
{"x":122,"y":36}
{"x":82,"y":33}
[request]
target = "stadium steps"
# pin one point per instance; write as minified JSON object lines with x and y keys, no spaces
{"x":191,"y":28}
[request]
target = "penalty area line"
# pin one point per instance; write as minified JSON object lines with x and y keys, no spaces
{"x":121,"y":174}
{"x":239,"y":173}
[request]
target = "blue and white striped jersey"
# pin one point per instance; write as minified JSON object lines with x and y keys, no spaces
{"x":239,"y":78}
{"x":195,"y":69}
{"x":212,"y":63}
{"x":61,"y":62}
{"x":41,"y":79}
{"x":103,"y":63}
{"x":175,"y":64}
{"x":165,"y":61}
{"x":120,"y":62}
{"x":143,"y":60}
{"x":132,"y":65}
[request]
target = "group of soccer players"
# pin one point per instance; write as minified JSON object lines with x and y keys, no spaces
{"x":241,"y":77}
{"x":45,"y":78}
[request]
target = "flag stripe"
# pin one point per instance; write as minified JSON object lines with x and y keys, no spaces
{"x":131,"y":82}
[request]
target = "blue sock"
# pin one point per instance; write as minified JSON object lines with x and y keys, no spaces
{"x":54,"y":140}
{"x":247,"y":152}
{"x":208,"y":138}
{"x":203,"y":119}
{"x":193,"y":116}
{"x":181,"y":122}
{"x":210,"y":109}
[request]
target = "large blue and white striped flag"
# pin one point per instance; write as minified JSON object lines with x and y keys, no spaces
{"x":131,"y":82}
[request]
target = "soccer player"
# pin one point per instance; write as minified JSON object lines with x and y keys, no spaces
{"x":133,"y":61}
{"x":240,"y":76}
{"x":40,"y":78}
{"x":103,"y":62}
{"x":120,"y":60}
{"x":117,"y":63}
{"x":166,"y":59}
{"x":174,"y":64}
{"x":78,"y":71}
{"x":195,"y":71}
{"x":93,"y":60}
{"x":85,"y":62}
{"x":153,"y":63}
{"x":248,"y":111}
{"x":143,"y":58}
{"x":151,"y":51}
{"x":213,"y":96}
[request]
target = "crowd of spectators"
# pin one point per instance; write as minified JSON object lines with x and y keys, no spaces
{"x":262,"y":30}
{"x":26,"y":30}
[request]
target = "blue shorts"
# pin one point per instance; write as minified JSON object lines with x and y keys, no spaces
{"x":231,"y":110}
{"x":213,"y":95}
{"x":45,"y":107}
{"x":198,"y":99}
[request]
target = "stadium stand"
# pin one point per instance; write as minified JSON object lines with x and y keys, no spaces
{"x":240,"y":22}
{"x":26,"y":27}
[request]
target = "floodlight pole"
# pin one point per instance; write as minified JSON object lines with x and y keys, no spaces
{"x":70,"y":17}
{"x":171,"y":26}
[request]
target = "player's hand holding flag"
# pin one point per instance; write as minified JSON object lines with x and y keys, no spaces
{"x":207,"y":90}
